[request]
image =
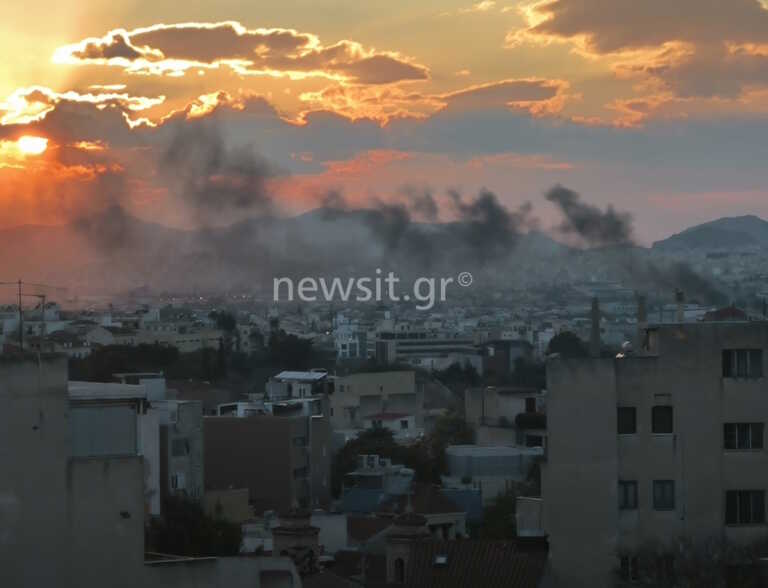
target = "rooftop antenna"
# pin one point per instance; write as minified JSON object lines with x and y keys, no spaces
{"x":19,"y":284}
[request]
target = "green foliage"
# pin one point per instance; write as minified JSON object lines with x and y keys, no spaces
{"x":458,"y":377}
{"x":499,"y":518}
{"x":567,"y":344}
{"x":185,"y":529}
{"x":426,"y":456}
{"x":105,"y":361}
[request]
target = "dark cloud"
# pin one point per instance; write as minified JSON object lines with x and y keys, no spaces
{"x":627,"y":24}
{"x":701,"y":48}
{"x":594,"y":226}
{"x":248,"y":51}
{"x":114,"y":46}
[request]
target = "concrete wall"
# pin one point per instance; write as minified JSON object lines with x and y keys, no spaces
{"x":579,"y":479}
{"x":34,"y":449}
{"x":64,"y":521}
{"x":226,"y":572}
{"x":106,"y":517}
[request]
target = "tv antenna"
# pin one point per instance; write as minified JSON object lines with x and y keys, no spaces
{"x":42,"y":297}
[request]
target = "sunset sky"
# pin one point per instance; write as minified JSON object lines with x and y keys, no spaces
{"x":655,"y":107}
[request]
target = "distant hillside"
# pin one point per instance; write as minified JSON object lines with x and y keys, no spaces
{"x":742,"y":232}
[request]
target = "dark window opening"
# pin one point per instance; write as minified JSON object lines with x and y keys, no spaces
{"x":743,"y":363}
{"x":745,"y":507}
{"x":663,"y":494}
{"x":743,"y":435}
{"x":627,"y":420}
{"x":627,"y":495}
{"x":662,"y":419}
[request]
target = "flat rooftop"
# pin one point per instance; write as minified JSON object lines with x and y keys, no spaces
{"x":105,"y":391}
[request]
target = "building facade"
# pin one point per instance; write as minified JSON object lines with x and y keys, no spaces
{"x":654,"y":446}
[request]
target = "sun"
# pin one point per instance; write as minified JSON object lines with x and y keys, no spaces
{"x":30,"y":145}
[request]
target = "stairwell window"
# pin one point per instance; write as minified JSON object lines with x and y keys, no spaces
{"x":743,"y":436}
{"x":743,"y":363}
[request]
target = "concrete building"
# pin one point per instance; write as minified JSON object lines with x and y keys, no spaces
{"x":181,"y":447}
{"x":359,"y":396}
{"x":494,"y":413}
{"x":663,"y":443}
{"x":71,"y":508}
{"x":283,"y":461}
{"x":66,"y":518}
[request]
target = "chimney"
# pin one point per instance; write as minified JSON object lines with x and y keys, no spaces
{"x":594,"y":339}
{"x":680,"y":300}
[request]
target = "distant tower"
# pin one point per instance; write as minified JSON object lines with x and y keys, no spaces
{"x":409,"y":528}
{"x":680,"y":306}
{"x":296,"y":538}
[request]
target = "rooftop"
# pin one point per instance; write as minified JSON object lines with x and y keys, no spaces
{"x":105,"y":391}
{"x":480,"y":564}
{"x":301,"y":376}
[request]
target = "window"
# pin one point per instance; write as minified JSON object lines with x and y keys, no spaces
{"x":743,"y":435}
{"x":743,"y":363}
{"x":628,"y":568}
{"x":627,"y":495}
{"x":179,"y":447}
{"x":662,"y":419}
{"x":627,"y":420}
{"x":663,"y":494}
{"x":745,"y":507}
{"x":530,"y":405}
{"x":404,"y":424}
{"x":399,"y":571}
{"x":178,"y":481}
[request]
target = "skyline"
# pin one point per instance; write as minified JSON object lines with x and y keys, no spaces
{"x":636,"y":108}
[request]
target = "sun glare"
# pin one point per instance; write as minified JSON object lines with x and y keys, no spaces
{"x":29,"y":145}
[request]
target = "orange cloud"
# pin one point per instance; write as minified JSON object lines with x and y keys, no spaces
{"x":28,"y":105}
{"x":163,"y":49}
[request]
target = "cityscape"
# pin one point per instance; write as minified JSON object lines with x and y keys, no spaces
{"x":324,"y":293}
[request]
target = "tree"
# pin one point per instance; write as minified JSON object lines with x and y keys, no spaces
{"x":185,"y":529}
{"x":499,"y":518}
{"x":686,"y":563}
{"x":567,"y":344}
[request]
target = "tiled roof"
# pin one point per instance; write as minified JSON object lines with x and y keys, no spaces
{"x":362,"y":528}
{"x":425,"y":499}
{"x":480,"y":564}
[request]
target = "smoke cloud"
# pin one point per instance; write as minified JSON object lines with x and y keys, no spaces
{"x":596,"y":227}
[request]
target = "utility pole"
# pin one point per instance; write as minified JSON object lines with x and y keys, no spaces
{"x":21,"y":321}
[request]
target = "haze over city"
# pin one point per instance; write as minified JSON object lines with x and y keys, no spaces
{"x":367,"y":294}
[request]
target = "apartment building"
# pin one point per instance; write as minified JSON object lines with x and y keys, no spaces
{"x":359,"y":399}
{"x":283,"y":461}
{"x":659,"y":444}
